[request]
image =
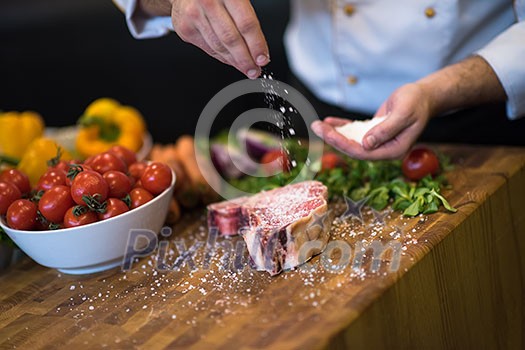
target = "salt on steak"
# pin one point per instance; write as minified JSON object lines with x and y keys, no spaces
{"x":277,"y":224}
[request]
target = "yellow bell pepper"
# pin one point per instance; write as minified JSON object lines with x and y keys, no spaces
{"x":106,"y":123}
{"x":34,"y":161}
{"x":17,"y":131}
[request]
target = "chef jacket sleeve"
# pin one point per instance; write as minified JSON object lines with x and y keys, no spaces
{"x":140,"y":24}
{"x":506,"y":54}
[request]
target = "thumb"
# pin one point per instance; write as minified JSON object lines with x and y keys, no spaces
{"x":382,"y":110}
{"x":385,"y":131}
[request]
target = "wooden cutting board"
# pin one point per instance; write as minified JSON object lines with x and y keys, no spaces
{"x":459,"y":284}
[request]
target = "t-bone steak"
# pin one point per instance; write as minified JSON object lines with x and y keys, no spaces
{"x":277,"y":224}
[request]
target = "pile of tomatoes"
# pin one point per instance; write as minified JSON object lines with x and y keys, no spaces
{"x":72,"y":194}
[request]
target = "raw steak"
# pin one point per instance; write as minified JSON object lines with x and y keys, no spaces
{"x":276,"y":224}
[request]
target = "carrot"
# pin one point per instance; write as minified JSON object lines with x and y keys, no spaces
{"x":173,"y":213}
{"x":199,"y":186}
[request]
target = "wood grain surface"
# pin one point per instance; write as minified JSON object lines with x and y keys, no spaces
{"x":459,"y":284}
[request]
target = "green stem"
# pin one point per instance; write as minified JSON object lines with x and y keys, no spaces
{"x":9,"y":160}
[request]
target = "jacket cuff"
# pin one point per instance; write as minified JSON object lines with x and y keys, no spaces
{"x":505,"y":55}
{"x":142,"y":26}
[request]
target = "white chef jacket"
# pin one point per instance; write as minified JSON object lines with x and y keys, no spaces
{"x":354,"y":54}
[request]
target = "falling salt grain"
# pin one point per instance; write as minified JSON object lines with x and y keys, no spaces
{"x":91,"y":307}
{"x":144,"y":307}
{"x":72,"y":288}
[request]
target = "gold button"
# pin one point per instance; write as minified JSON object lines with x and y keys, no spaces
{"x":430,"y":12}
{"x":349,"y":9}
{"x":352,"y":80}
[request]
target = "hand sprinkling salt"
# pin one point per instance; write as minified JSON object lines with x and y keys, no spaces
{"x":357,"y":130}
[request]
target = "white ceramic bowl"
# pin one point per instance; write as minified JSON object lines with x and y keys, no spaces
{"x":95,"y":247}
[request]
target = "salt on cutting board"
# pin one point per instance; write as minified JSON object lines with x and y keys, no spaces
{"x":357,"y":130}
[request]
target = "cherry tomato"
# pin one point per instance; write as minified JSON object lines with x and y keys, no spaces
{"x":156,"y":178}
{"x":419,"y":163}
{"x":275,"y":161}
{"x":105,"y":162}
{"x":17,"y":178}
{"x":330,"y":160}
{"x":89,"y":183}
{"x":8,"y":194}
{"x":139,"y":196}
{"x":114,"y":208}
{"x":128,"y":156}
{"x":89,"y":160}
{"x":50,"y":179}
{"x":79,"y":216}
{"x":137,"y":169}
{"x":74,"y":170}
{"x":54,"y":203}
{"x":63,"y":165}
{"x":119,"y":183}
{"x":22,"y":215}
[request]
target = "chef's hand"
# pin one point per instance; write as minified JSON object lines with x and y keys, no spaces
{"x":464,"y":84}
{"x":407,"y":111}
{"x":225,"y":29}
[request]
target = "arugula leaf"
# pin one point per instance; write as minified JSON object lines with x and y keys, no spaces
{"x":413,"y":209}
{"x":445,"y":203}
{"x":378,"y":198}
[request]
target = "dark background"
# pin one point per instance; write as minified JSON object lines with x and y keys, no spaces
{"x":59,"y":55}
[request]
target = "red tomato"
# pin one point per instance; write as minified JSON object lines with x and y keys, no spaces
{"x":330,"y":160}
{"x":89,"y":183}
{"x":79,"y":216}
{"x":22,"y":215}
{"x":17,"y":178}
{"x":128,"y":156}
{"x":419,"y":163}
{"x":50,"y":179}
{"x":156,"y":178}
{"x":105,"y":162}
{"x":137,"y":169}
{"x":8,"y":194}
{"x":114,"y":208}
{"x":54,"y":203}
{"x":119,"y":183}
{"x":63,"y":165}
{"x":74,"y":170}
{"x":89,"y":160}
{"x":275,"y":161}
{"x":139,"y":196}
